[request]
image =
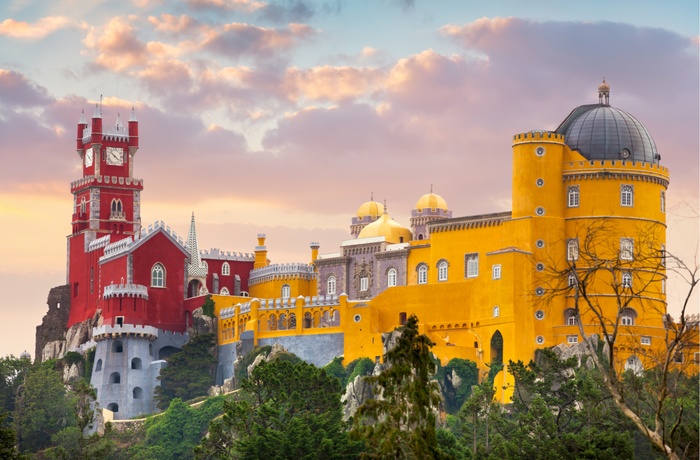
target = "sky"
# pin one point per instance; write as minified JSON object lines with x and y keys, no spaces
{"x":283,"y":117}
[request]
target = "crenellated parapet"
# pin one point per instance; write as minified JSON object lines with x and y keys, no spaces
{"x":289,"y":271}
{"x":125,"y":290}
{"x":538,"y":136}
{"x":470,"y":222}
{"x":217,"y":254}
{"x":616,"y":170}
{"x":124,"y":330}
{"x":106,"y":180}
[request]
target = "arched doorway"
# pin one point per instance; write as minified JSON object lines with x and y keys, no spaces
{"x":193,"y":288}
{"x":497,"y":348}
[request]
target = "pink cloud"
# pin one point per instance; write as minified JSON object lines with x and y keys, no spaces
{"x":240,"y":5}
{"x":17,"y":90}
{"x":167,"y":23}
{"x":35,"y":31}
{"x":329,"y":83}
{"x":239,"y":39}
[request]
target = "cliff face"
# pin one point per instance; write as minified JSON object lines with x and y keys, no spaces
{"x":53,"y":325}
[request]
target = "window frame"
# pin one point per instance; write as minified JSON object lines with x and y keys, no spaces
{"x":573,"y":196}
{"x":627,"y":195}
{"x":364,"y":283}
{"x":158,"y":282}
{"x":226,"y":269}
{"x":286,"y":292}
{"x":471,"y":265}
{"x":331,"y":285}
{"x":572,"y":249}
{"x":422,"y":270}
{"x":442,"y":268}
{"x":496,"y":271}
{"x":571,"y":338}
{"x":391,"y":277}
{"x":626,"y":248}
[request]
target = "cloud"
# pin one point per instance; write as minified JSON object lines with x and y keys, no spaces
{"x":239,"y":39}
{"x":38,"y":30}
{"x":282,"y":12}
{"x":240,"y":5}
{"x":16,"y":90}
{"x":167,"y":23}
{"x":329,"y":83}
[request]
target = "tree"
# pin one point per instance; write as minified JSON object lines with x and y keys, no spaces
{"x":400,"y":421}
{"x":190,"y":372}
{"x":605,"y":284}
{"x":12,"y":372}
{"x":285,"y":411}
{"x":42,"y":409}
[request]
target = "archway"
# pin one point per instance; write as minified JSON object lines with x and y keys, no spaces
{"x":164,"y":352}
{"x":193,"y":288}
{"x":497,"y":348}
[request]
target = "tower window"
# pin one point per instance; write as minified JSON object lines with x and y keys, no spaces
{"x":331,"y":285}
{"x":158,"y":275}
{"x":422,"y":274}
{"x":286,"y":291}
{"x":572,"y":280}
{"x":226,"y":269}
{"x":573,"y":196}
{"x":627,"y":317}
{"x":627,"y":280}
{"x":471,"y":262}
{"x":627,"y":195}
{"x":626,"y":249}
{"x":663,"y":201}
{"x":442,"y":270}
{"x":572,"y":339}
{"x":496,"y":271}
{"x":496,"y":312}
{"x":572,"y":249}
{"x":364,"y":283}
{"x":391,"y":277}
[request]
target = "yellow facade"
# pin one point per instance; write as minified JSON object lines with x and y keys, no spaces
{"x":482,"y":286}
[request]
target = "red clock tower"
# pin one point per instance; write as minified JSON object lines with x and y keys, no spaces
{"x":106,"y":204}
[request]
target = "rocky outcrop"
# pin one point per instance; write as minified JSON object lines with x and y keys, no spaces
{"x":201,"y":323}
{"x":72,"y":372}
{"x":53,"y":324}
{"x":356,"y":393}
{"x":71,"y":340}
{"x":581,"y":351}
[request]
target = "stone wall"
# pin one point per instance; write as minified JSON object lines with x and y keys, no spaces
{"x":53,"y":325}
{"x":317,"y":349}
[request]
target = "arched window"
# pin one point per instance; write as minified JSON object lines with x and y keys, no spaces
{"x":225,"y":269}
{"x":391,"y":277}
{"x":272,"y":323}
{"x":282,"y":322}
{"x":136,"y":363}
{"x":205,"y":265}
{"x":627,"y":317}
{"x":626,"y":249}
{"x":442,"y":270}
{"x":114,"y":407}
{"x":572,"y":280}
{"x":224,"y":291}
{"x":626,"y":195}
{"x":496,"y":312}
{"x":422,"y":274}
{"x":663,"y":201}
{"x":570,"y":317}
{"x":158,"y":275}
{"x":471,"y":263}
{"x":572,"y":249}
{"x":335,"y":318}
{"x":634,"y":364}
{"x":331,"y":284}
{"x":117,"y":347}
{"x":573,"y":196}
{"x":286,"y":291}
{"x":114,"y":377}
{"x":627,"y":280}
{"x":292,"y":321}
{"x":98,"y":365}
{"x":138,"y":393}
{"x":308,"y":321}
{"x":497,"y":348}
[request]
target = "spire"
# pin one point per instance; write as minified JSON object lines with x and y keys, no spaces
{"x":119,"y":124}
{"x":97,"y":113}
{"x":195,"y":267}
{"x":133,"y":114}
{"x":82,"y":118}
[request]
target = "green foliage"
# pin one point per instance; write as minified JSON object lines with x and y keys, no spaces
{"x":240,"y":371}
{"x":12,"y":372}
{"x":402,"y":423}
{"x":175,"y":433}
{"x":286,"y":411}
{"x":89,"y":363}
{"x":360,"y":366}
{"x":8,"y":450}
{"x":190,"y":372}
{"x":208,"y":307}
{"x":72,"y":357}
{"x":43,"y":408}
{"x":455,"y":395}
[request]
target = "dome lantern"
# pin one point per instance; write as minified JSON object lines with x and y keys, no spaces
{"x":604,"y":93}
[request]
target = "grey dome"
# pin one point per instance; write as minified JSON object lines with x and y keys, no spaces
{"x":601,"y":132}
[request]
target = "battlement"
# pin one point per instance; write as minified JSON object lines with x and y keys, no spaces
{"x":538,"y":135}
{"x":469,"y":222}
{"x":111,"y":133}
{"x":295,"y":270}
{"x":125,"y":290}
{"x":124,"y":245}
{"x":124,"y":330}
{"x":573,"y":166}
{"x":95,"y":180}
{"x":99,"y":243}
{"x":281,"y":303}
{"x":216,"y":253}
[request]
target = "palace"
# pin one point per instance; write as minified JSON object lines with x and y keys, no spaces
{"x":488,"y":288}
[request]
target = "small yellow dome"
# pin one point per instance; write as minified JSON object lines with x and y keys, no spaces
{"x":370,"y":209}
{"x":604,"y":86}
{"x":431,"y":201}
{"x":387,"y":227}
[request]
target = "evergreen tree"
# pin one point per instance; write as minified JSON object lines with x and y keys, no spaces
{"x":400,"y":422}
{"x":190,"y":372}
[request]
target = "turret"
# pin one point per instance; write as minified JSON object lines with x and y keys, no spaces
{"x":82,"y":125}
{"x":133,"y":132}
{"x":260,"y":252}
{"x":314,"y":251}
{"x":97,"y":125}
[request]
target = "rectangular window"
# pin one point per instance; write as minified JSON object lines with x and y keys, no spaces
{"x":364,"y":283}
{"x":572,"y":339}
{"x":496,"y":271}
{"x":471,"y":262}
{"x":402,"y":318}
{"x":626,"y":249}
{"x":120,"y":320}
{"x":678,"y":357}
{"x":646,"y":340}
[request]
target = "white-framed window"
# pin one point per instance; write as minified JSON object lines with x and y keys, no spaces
{"x":663,"y":286}
{"x":496,"y":312}
{"x":331,"y":284}
{"x":286,"y":291}
{"x":442,"y":270}
{"x":627,"y":280}
{"x":677,"y":358}
{"x":626,"y":195}
{"x":572,"y":280}
{"x":663,"y":255}
{"x":496,"y":272}
{"x":571,"y":320}
{"x":626,"y":249}
{"x":571,"y":339}
{"x":645,"y":340}
{"x":158,"y":275}
{"x":572,"y":249}
{"x":422,"y":274}
{"x":627,"y":317}
{"x":226,"y":269}
{"x":364,"y":283}
{"x":573,"y":196}
{"x":391,"y":277}
{"x":471,"y":262}
{"x":663,"y":201}
{"x":224,"y":291}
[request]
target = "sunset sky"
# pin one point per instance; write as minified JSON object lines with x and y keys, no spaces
{"x":282,"y":117}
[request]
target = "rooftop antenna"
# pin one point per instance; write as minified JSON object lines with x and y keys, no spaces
{"x":100,"y":105}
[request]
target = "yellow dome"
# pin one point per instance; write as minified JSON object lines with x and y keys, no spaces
{"x":431,"y":201}
{"x":604,"y":86}
{"x":370,"y":209}
{"x":387,"y":227}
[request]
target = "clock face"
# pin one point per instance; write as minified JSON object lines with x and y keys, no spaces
{"x":88,"y":157}
{"x":115,"y":156}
